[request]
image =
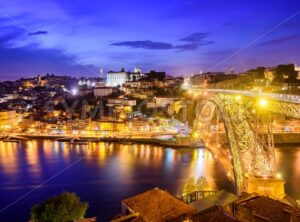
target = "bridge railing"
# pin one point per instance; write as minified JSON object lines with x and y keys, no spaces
{"x":197,"y":195}
{"x":275,"y":96}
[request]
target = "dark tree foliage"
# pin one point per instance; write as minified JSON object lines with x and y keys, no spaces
{"x":286,"y":70}
{"x":62,"y":208}
{"x":260,"y":72}
{"x":153,"y":75}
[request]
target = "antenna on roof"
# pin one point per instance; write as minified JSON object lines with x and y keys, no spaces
{"x":101,"y":73}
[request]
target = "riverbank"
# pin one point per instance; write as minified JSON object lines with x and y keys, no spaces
{"x":123,"y":140}
{"x":279,"y":139}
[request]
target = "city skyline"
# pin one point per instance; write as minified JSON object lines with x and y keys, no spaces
{"x":182,"y":37}
{"x":135,"y":110}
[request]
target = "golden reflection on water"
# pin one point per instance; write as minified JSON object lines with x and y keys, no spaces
{"x":9,"y":158}
{"x":32,"y":157}
{"x":121,"y":161}
{"x":123,"y":164}
{"x":288,"y":166}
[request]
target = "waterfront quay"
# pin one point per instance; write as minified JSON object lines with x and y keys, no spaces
{"x":164,"y":139}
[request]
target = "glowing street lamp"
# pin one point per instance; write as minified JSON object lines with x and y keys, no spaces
{"x":278,"y":176}
{"x":74,"y":92}
{"x":238,"y":98}
{"x":195,"y":135}
{"x":263,"y":102}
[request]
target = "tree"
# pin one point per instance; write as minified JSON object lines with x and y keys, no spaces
{"x":62,"y":208}
{"x":190,"y":186}
{"x":286,"y":72}
{"x":260,"y":72}
{"x":153,"y":75}
{"x":202,"y":184}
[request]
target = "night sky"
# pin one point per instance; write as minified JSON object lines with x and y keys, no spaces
{"x":178,"y":36}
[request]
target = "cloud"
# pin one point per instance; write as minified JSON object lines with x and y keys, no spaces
{"x":187,"y":47}
{"x":38,"y":33}
{"x":193,"y":42}
{"x":286,"y":39}
{"x":196,"y":37}
{"x":35,"y":60}
{"x":147,"y":44}
{"x":4,"y":39}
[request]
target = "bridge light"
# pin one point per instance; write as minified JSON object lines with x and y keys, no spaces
{"x":195,"y":135}
{"x":238,"y":98}
{"x":278,"y":176}
{"x":263,"y":102}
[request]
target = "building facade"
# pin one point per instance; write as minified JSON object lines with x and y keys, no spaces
{"x":119,"y":78}
{"x":104,"y":91}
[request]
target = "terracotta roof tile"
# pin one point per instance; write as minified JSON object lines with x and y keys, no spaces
{"x":212,"y":215}
{"x":273,"y":210}
{"x":157,"y":205}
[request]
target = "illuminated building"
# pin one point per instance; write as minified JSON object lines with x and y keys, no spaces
{"x":210,"y":77}
{"x":8,"y":118}
{"x":119,"y":78}
{"x":116,"y":78}
{"x":164,"y":101}
{"x":297,"y":69}
{"x":108,"y":125}
{"x":104,"y":91}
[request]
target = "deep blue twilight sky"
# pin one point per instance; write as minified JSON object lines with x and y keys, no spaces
{"x":76,"y":37}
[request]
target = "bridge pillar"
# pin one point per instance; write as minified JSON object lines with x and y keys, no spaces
{"x":271,"y":187}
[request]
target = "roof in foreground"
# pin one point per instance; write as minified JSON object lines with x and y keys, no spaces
{"x":270,"y":209}
{"x":158,"y":205}
{"x":221,"y":198}
{"x":212,"y":215}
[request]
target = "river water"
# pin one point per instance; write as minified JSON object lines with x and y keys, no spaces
{"x":103,"y":174}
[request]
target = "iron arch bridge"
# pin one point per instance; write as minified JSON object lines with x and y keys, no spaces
{"x":252,"y":155}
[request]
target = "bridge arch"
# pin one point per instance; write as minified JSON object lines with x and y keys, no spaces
{"x":250,"y":157}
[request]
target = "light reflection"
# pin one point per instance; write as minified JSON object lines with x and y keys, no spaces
{"x":33,"y":161}
{"x":203,"y":166}
{"x":121,"y":162}
{"x":170,"y":156}
{"x":9,"y":158}
{"x":289,"y":172}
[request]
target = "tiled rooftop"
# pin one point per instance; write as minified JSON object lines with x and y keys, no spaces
{"x":157,"y":205}
{"x":271,"y":210}
{"x":212,"y":215}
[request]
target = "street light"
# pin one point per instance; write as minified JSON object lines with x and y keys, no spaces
{"x":278,"y":176}
{"x":263,"y":102}
{"x":195,"y":135}
{"x":238,"y":98}
{"x":74,"y":92}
